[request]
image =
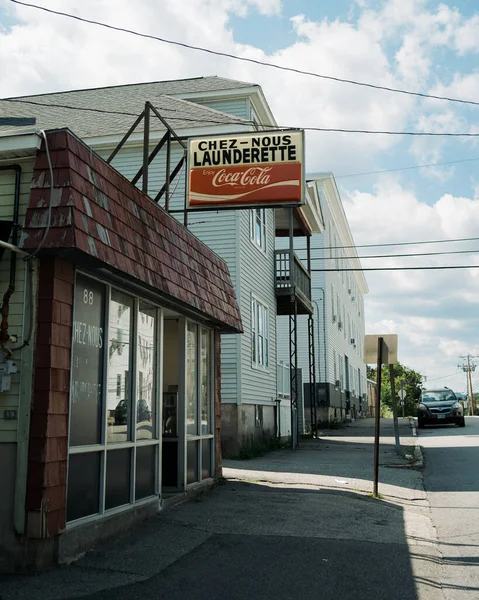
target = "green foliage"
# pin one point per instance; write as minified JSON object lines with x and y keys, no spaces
{"x":412,"y":385}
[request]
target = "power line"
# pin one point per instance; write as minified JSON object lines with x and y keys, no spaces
{"x":246,"y":122}
{"x":391,"y":255}
{"x":245,"y":59}
{"x":433,"y":268}
{"x":443,"y":376}
{"x":438,"y":164}
{"x":472,"y":239}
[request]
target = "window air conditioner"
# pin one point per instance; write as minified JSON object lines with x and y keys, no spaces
{"x":334,"y":318}
{"x":340,"y":324}
{"x":353,"y":341}
{"x":338,"y":383}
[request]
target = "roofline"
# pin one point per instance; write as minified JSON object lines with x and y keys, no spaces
{"x":120,"y":85}
{"x":253,"y":91}
{"x":15,"y":141}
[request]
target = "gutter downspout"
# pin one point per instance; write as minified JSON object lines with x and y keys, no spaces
{"x":4,"y":336}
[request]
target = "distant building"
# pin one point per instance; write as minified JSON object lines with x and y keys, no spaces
{"x":338,"y":287}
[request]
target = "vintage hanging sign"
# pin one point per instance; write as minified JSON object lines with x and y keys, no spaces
{"x":246,"y":170}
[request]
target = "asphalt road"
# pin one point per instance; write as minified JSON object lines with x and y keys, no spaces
{"x":451,"y":479}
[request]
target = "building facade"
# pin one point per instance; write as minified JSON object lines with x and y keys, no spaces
{"x":112,"y":314}
{"x":244,"y":239}
{"x":338,"y":287}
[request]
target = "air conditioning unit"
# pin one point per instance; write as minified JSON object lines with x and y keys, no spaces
{"x":353,"y":298}
{"x":334,"y":318}
{"x":340,"y":324}
{"x":349,"y":290}
{"x":353,"y":341}
{"x":338,"y":383}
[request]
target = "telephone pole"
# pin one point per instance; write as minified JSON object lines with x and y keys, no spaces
{"x":468,"y":367}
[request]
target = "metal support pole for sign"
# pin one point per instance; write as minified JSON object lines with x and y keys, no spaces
{"x":402,"y":398}
{"x":378,"y":417}
{"x":395,"y":410}
{"x":146,"y":148}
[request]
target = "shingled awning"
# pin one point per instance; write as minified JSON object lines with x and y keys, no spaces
{"x":97,"y":213}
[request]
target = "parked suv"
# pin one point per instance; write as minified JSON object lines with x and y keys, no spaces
{"x":439,"y":407}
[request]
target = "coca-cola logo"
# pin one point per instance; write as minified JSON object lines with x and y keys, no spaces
{"x":251,"y":177}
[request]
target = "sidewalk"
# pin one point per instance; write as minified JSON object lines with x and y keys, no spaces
{"x":291,"y":524}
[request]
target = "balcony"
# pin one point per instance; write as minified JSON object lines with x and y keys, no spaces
{"x":293,"y":282}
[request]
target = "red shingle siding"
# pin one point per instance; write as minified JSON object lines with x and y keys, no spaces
{"x":48,"y":448}
{"x":98,"y":211}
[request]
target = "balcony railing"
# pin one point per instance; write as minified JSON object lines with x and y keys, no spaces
{"x":293,"y":275}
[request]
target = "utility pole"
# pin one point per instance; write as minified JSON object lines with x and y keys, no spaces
{"x":468,"y":367}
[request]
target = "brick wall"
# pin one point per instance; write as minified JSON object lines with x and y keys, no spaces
{"x":48,"y":450}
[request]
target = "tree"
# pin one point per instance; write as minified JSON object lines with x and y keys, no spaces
{"x":412,"y":385}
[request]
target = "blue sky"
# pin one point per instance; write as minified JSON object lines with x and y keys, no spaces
{"x":418,"y":45}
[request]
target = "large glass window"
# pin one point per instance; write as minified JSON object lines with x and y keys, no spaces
{"x":191,"y":380}
{"x":87,"y":363}
{"x":206,"y":387}
{"x":145,"y":365}
{"x":199,"y":403}
{"x":120,"y":331}
{"x":114,"y":442}
{"x":259,"y":334}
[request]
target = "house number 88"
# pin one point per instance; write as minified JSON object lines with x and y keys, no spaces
{"x":87,"y":297}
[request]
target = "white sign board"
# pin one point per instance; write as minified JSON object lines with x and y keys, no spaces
{"x":402,"y":394}
{"x":371,"y":348}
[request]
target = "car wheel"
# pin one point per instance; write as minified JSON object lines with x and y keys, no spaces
{"x":420,"y":423}
{"x":462,"y":422}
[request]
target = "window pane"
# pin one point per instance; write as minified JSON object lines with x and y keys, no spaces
{"x":87,"y":363}
{"x":83,"y":497}
{"x":192,"y":461}
{"x":117,"y":490}
{"x":206,"y":458}
{"x":145,"y":379}
{"x":206,"y":388}
{"x":191,"y":381}
{"x":146,"y":471}
{"x":119,"y":367}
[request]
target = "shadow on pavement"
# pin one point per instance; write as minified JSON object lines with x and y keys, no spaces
{"x":256,"y":542}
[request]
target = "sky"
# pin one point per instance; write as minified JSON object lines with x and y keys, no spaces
{"x":422,"y":46}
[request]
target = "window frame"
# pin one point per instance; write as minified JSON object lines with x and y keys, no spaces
{"x":259,"y":241}
{"x":132,"y":443}
{"x":259,"y":338}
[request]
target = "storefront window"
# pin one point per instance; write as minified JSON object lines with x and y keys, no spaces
{"x":87,"y":363}
{"x":191,"y":380}
{"x":206,"y":391}
{"x":119,"y":413}
{"x":145,"y":369}
{"x":114,"y":442}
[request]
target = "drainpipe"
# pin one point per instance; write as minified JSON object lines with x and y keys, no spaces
{"x":4,"y":336}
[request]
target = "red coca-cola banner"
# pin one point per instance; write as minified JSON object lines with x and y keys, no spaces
{"x":246,"y":170}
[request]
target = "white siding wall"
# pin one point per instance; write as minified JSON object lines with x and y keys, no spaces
{"x":337,"y":341}
{"x":238,"y":107}
{"x":258,"y":279}
{"x":10,"y":400}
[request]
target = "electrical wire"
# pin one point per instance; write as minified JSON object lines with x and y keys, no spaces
{"x":471,"y":239}
{"x":444,"y":376}
{"x":438,"y":164}
{"x":245,"y":59}
{"x":392,"y":255}
{"x":246,"y":122}
{"x":430,"y":268}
